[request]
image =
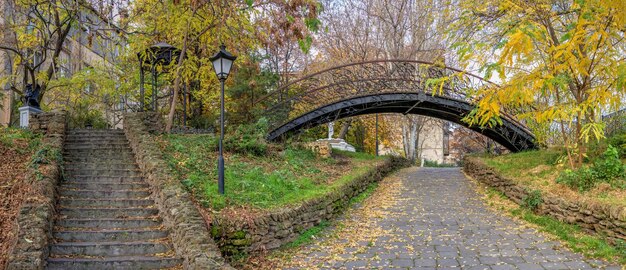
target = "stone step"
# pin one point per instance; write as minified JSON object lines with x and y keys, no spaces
{"x":105,"y":179}
{"x":108,"y":212}
{"x":112,"y":164}
{"x":108,"y":248}
{"x":68,"y":202}
{"x":110,"y":235}
{"x":95,"y":139}
{"x":101,"y":194}
{"x":127,"y":223}
{"x":95,"y":131}
{"x":105,"y":151}
{"x":98,"y":147}
{"x":103,"y":186}
{"x":98,"y":158}
{"x":112,"y":172}
{"x":82,"y":175}
{"x":118,"y":262}
{"x":95,"y":144}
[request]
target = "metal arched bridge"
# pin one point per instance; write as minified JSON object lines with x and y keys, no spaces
{"x":385,"y":86}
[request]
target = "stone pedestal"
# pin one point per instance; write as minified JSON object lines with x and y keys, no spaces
{"x":25,"y":113}
{"x":320,"y":148}
{"x":339,"y":144}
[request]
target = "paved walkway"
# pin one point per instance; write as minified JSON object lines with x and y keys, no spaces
{"x":432,"y":218}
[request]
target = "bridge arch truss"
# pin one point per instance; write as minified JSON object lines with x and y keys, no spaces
{"x":385,"y":86}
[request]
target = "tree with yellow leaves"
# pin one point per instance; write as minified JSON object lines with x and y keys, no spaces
{"x":199,"y":27}
{"x":561,"y":62}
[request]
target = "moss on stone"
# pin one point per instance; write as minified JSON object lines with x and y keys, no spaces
{"x":239,"y":235}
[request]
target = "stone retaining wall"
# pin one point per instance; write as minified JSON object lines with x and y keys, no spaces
{"x":36,"y":215}
{"x":237,"y":235}
{"x":596,"y":218}
{"x":188,"y":230}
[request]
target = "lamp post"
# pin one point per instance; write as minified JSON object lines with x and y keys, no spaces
{"x":222,"y":62}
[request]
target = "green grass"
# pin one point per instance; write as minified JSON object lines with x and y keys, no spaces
{"x":539,"y":169}
{"x":575,"y":238}
{"x":364,"y":195}
{"x":10,"y":137}
{"x":308,"y":236}
{"x":357,"y":155}
{"x":512,"y":164}
{"x":23,"y":141}
{"x":595,"y":246}
{"x":276,"y":179}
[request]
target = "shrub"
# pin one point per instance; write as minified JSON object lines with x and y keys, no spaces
{"x":202,"y":122}
{"x":619,"y":141}
{"x":581,"y":179}
{"x":608,"y":168}
{"x":432,"y":163}
{"x":249,"y":139}
{"x":82,"y":118}
{"x":532,"y":200}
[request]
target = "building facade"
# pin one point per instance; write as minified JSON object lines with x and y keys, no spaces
{"x":6,"y":95}
{"x":94,"y":41}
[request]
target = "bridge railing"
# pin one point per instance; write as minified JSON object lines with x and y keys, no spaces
{"x":368,"y":78}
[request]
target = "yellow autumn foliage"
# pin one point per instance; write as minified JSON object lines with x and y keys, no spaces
{"x":559,"y":62}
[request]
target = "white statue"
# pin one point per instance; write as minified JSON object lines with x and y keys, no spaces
{"x":337,"y":143}
{"x":331,"y":130}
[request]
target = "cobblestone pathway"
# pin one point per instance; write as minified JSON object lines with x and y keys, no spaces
{"x":432,"y":218}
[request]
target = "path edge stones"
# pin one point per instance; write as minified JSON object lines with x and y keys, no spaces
{"x":594,"y":218}
{"x":276,"y":227}
{"x":188,"y":230}
{"x":36,"y":215}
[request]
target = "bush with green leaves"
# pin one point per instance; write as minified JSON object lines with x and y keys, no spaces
{"x":202,"y":122}
{"x":532,"y":200}
{"x":434,"y":163}
{"x":606,"y":169}
{"x":609,"y":166}
{"x":619,"y":141}
{"x":83,"y":117}
{"x":249,"y":139}
{"x":581,"y":179}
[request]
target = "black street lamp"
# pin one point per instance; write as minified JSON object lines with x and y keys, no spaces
{"x":158,"y":54}
{"x":222,"y":62}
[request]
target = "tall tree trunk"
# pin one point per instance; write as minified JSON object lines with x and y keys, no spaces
{"x":170,"y":117}
{"x":409,"y":138}
{"x":58,"y":48}
{"x":344,"y":129}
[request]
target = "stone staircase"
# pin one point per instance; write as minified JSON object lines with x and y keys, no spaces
{"x":105,"y":216}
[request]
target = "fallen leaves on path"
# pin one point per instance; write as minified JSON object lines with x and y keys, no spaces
{"x":353,"y":233}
